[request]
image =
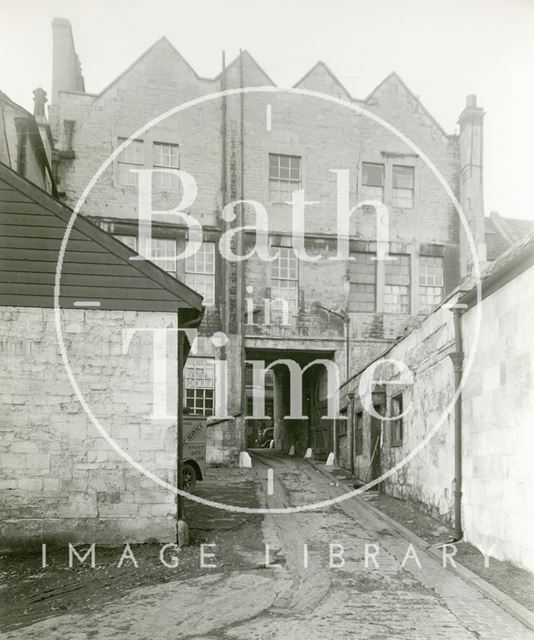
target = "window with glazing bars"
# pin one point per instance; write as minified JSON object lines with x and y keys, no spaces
{"x":430,"y":282}
{"x":199,"y":385}
{"x":362,"y":282}
{"x":284,"y":280}
{"x":397,"y":284}
{"x":163,"y":251}
{"x":200,"y":272}
{"x":164,"y":254}
{"x":130,"y":158}
{"x":403,"y":186}
{"x":285,"y":176}
{"x":372,"y":181}
{"x":165,"y":156}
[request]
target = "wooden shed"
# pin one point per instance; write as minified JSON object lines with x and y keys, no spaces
{"x":59,"y":477}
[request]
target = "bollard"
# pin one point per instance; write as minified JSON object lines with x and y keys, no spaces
{"x":245,"y":461}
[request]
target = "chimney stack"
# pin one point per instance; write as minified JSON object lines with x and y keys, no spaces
{"x":472,"y":183}
{"x":66,"y":68}
{"x":39,"y":101}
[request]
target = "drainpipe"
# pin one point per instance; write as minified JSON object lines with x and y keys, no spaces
{"x":182,"y":529}
{"x":240,"y":238}
{"x":350,"y":430}
{"x":182,"y":532}
{"x":457,"y":359}
{"x":223,"y":296}
{"x":347,"y":345}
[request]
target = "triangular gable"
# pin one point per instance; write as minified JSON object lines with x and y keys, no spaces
{"x":321,"y":78}
{"x":162,"y":43}
{"x":96,"y":267}
{"x":249,"y":64}
{"x":394,"y":79}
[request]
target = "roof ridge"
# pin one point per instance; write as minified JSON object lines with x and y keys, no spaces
{"x":96,"y":234}
{"x":394,"y":74}
{"x":322,"y":63}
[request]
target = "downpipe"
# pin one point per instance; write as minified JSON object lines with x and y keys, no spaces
{"x":457,"y":357}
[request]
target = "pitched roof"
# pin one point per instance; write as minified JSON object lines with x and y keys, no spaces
{"x":394,"y":77}
{"x":163,"y":41}
{"x":512,"y":230}
{"x":496,"y":243}
{"x":246,"y":56}
{"x":96,"y":267}
{"x":518,"y":258}
{"x":5,"y":98}
{"x":318,"y":66}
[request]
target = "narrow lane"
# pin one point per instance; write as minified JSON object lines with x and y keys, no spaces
{"x":381,"y":600}
{"x":304,"y":592}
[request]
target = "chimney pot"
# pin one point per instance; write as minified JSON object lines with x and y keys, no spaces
{"x":39,"y":101}
{"x":471,"y":100}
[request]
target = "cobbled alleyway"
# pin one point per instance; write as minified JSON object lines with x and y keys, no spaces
{"x":305,"y":592}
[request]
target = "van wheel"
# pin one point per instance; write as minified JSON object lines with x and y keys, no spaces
{"x":189,"y":477}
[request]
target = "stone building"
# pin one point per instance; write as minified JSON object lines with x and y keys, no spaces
{"x":61,"y":479}
{"x":263,"y":145}
{"x":412,"y":433}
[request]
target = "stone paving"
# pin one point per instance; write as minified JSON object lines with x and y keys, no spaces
{"x":299,"y":595}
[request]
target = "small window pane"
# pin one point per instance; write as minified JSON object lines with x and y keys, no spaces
{"x":284,"y":176}
{"x":129,"y":241}
{"x":200,"y":272}
{"x":372,"y":174}
{"x":284,"y":284}
{"x":165,"y":156}
{"x":372,"y":182}
{"x":403,"y":187}
{"x":132,"y":157}
{"x":403,"y":177}
{"x":397,"y":285}
{"x":164,"y":254}
{"x":430,"y":282}
{"x":199,"y":385}
{"x":363,"y":283}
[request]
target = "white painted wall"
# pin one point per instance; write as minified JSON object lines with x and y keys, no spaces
{"x":498,"y":435}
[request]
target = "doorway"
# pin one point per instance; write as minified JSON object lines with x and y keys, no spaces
{"x":375,"y":447}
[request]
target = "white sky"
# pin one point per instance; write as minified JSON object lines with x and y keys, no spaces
{"x":443,"y":49}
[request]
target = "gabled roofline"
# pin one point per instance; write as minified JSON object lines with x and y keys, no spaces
{"x":500,"y":225}
{"x":35,"y":137}
{"x":5,"y":98}
{"x":320,"y":63}
{"x":395,"y":75}
{"x":82,"y":224}
{"x":235,"y":61}
{"x":244,"y":52}
{"x":143,"y":55}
